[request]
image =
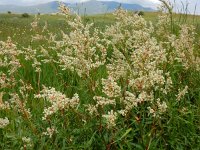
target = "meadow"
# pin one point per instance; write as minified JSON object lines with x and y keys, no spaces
{"x":113,"y":81}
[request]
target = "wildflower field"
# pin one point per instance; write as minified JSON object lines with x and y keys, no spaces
{"x":120,"y":81}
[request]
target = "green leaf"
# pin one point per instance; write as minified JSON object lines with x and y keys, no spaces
{"x":124,"y":135}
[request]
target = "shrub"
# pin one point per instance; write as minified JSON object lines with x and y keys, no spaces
{"x":140,"y":13}
{"x":25,"y":15}
{"x":9,"y":12}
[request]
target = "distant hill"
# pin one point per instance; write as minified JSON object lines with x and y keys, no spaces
{"x":51,"y":7}
{"x":111,"y":5}
{"x":89,"y":7}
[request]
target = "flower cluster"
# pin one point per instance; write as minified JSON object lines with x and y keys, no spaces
{"x":182,"y":93}
{"x":34,"y":24}
{"x":20,"y":105}
{"x":27,"y":142}
{"x":3,"y":105}
{"x":9,"y":55}
{"x":50,"y":132}
{"x":4,"y":122}
{"x":82,"y":50}
{"x":110,"y":118}
{"x":57,"y":100}
{"x":135,"y":69}
{"x":184,"y":49}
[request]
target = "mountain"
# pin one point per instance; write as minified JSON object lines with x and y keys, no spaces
{"x":51,"y":7}
{"x":88,"y":7}
{"x":111,"y":5}
{"x":99,"y":7}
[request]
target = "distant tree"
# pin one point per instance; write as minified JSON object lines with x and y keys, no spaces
{"x":140,"y":13}
{"x":38,"y":13}
{"x":9,"y":12}
{"x":25,"y":15}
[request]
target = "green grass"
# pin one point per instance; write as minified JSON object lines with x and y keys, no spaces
{"x":19,"y":28}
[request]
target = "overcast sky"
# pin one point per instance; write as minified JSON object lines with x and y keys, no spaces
{"x":70,"y":1}
{"x":146,"y":3}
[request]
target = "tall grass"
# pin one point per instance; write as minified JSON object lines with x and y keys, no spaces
{"x":129,"y":85}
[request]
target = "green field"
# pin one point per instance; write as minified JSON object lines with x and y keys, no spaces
{"x":15,"y":26}
{"x":121,"y":83}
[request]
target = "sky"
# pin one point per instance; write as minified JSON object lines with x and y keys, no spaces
{"x":147,"y":3}
{"x":70,"y":1}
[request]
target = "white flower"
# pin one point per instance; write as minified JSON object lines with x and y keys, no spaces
{"x":50,"y":132}
{"x":152,"y":111}
{"x":4,"y":122}
{"x":26,"y":140}
{"x":110,"y":87}
{"x":110,"y":118}
{"x":182,"y":93}
{"x":161,"y":106}
{"x":58,"y":101}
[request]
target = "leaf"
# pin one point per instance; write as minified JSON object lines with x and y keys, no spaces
{"x":124,"y":135}
{"x":89,"y":143}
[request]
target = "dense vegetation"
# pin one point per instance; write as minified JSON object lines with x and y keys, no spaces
{"x":101,"y":82}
